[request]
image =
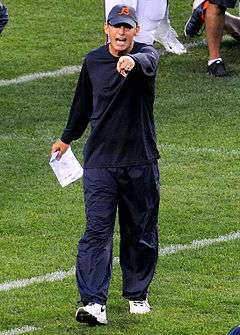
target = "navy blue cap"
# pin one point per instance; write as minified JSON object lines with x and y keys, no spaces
{"x":235,"y":331}
{"x":122,"y":14}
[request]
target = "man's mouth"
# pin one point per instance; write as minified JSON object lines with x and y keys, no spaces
{"x":121,"y":40}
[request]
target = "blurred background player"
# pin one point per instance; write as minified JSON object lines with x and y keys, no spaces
{"x":213,"y":14}
{"x":196,"y":23}
{"x":232,"y":26}
{"x":3,"y":16}
{"x":154,"y":23}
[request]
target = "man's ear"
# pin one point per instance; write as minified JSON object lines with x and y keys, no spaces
{"x":106,"y":28}
{"x":137,"y":29}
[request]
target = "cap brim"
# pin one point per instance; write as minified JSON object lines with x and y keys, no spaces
{"x":126,"y":20}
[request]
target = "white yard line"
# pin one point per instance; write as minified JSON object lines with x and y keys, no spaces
{"x":172,"y":249}
{"x":50,"y":277}
{"x":17,"y":331}
{"x":198,"y":244}
{"x":218,"y":151}
{"x":39,"y":75}
{"x":162,"y":146}
{"x":72,"y":69}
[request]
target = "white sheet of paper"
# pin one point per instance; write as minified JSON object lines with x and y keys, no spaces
{"x":67,"y":169}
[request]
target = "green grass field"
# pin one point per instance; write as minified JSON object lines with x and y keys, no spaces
{"x":195,"y":291}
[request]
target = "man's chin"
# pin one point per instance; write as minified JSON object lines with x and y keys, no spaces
{"x":120,"y":50}
{"x":121,"y":47}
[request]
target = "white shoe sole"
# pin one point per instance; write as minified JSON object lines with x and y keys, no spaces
{"x":140,"y":313}
{"x":134,"y":308}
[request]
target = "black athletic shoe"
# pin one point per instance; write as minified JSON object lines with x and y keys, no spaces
{"x":93,"y":314}
{"x":217,"y":69}
{"x":3,"y":17}
{"x":195,"y":24}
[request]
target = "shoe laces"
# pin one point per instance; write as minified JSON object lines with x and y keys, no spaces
{"x":140,"y":303}
{"x":91,"y":303}
{"x":169,"y":36}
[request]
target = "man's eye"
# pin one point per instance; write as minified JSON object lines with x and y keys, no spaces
{"x":127,"y":27}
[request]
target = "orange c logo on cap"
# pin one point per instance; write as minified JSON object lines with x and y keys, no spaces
{"x":124,"y":11}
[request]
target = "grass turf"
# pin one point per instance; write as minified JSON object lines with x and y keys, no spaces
{"x":197,"y":118}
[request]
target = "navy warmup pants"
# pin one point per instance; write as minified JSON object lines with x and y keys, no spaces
{"x":135,"y":192}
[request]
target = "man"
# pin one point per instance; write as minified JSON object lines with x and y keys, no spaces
{"x":3,"y":16}
{"x":154,"y":23}
{"x":212,"y":13}
{"x":115,"y":93}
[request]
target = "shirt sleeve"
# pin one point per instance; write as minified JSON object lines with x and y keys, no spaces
{"x":81,"y":108}
{"x":146,"y":60}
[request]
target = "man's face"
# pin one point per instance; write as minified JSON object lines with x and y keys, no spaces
{"x":121,"y":38}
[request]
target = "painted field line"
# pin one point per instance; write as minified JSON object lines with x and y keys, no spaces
{"x":39,"y":75}
{"x":162,"y":146}
{"x":172,"y":249}
{"x":198,"y":244}
{"x":218,"y":151}
{"x":17,"y":331}
{"x":49,"y":277}
{"x":72,"y":69}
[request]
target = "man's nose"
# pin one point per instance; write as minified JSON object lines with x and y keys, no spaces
{"x":121,"y":29}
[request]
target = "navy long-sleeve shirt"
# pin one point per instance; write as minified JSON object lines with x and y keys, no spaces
{"x":119,"y":109}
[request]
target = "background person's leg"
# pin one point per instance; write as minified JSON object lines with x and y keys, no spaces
{"x":214,"y":28}
{"x":149,"y":13}
{"x":155,"y":25}
{"x":167,"y":36}
{"x":215,"y":17}
{"x":147,"y":24}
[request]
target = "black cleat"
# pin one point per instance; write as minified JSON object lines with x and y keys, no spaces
{"x":195,"y":24}
{"x":3,"y":16}
{"x":217,"y":69}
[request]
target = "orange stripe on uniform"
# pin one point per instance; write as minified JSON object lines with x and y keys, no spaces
{"x":205,"y":7}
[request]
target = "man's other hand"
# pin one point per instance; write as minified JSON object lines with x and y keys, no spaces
{"x":59,"y":147}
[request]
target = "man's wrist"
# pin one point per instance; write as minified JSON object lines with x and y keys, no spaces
{"x":65,"y":140}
